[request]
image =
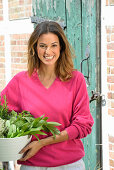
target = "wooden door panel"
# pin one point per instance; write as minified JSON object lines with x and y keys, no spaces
{"x":92,"y":158}
{"x":49,"y":9}
{"x":73,"y":30}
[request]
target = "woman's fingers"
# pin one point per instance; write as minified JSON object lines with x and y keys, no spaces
{"x":25,"y":149}
{"x":27,"y":156}
{"x":30,"y":150}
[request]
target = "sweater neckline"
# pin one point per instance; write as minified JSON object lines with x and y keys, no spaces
{"x":45,"y":88}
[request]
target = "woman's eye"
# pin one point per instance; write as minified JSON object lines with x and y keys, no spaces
{"x":54,"y":45}
{"x":42,"y":46}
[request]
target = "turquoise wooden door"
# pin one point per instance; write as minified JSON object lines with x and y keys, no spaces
{"x":79,"y":17}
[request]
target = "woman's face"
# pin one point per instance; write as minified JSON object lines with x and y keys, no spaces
{"x":48,"y":48}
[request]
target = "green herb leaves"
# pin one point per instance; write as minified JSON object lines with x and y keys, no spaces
{"x":13,"y":124}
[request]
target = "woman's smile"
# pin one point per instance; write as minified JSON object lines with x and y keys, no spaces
{"x":48,"y":48}
{"x":48,"y":57}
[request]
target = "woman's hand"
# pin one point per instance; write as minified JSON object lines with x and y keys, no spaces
{"x":31,"y":149}
{"x":35,"y":146}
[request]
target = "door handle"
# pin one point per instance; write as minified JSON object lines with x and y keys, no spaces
{"x":87,"y":54}
{"x":99,"y":97}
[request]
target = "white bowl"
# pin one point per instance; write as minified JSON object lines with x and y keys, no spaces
{"x":10,"y":147}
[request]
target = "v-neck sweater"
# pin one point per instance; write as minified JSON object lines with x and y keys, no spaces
{"x":63,"y":102}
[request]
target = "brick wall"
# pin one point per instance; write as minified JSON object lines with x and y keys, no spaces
{"x":18,"y":52}
{"x":110,"y":83}
{"x":19,"y":9}
{"x":2,"y":63}
{"x":1,"y":10}
{"x":111,"y":153}
{"x":109,"y":2}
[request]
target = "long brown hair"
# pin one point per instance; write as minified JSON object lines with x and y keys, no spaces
{"x":64,"y":66}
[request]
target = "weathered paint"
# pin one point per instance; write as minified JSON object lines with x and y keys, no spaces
{"x":93,"y":157}
{"x":80,"y":19}
{"x":73,"y":31}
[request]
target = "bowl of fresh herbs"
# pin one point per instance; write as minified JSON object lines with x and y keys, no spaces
{"x":16,"y":130}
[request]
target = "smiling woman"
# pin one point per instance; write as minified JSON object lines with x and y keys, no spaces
{"x":52,"y":86}
{"x":49,"y":40}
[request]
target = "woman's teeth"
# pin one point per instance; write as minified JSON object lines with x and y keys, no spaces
{"x":48,"y":57}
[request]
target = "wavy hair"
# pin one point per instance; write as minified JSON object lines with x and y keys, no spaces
{"x":64,"y":66}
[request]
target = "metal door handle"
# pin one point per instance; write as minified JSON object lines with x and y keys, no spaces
{"x":87,"y":54}
{"x":99,"y":97}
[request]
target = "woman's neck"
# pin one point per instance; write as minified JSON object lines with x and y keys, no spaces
{"x":46,"y":72}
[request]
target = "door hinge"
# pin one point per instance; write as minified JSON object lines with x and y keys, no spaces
{"x":99,"y":97}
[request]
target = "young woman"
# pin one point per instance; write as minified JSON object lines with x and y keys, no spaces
{"x":52,"y":86}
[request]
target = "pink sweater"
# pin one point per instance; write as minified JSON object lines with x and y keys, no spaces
{"x":64,"y":102}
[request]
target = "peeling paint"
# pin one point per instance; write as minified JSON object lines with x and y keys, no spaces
{"x":54,"y":4}
{"x":68,"y":5}
{"x":47,"y":3}
{"x":38,"y":6}
{"x":89,"y":4}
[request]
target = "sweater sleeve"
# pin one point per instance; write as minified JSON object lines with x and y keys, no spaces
{"x":81,"y":121}
{"x":12,"y":93}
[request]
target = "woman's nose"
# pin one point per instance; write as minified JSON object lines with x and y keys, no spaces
{"x":48,"y":50}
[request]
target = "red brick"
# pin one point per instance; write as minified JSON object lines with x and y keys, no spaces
{"x":111,"y":2}
{"x":110,"y":79}
{"x":1,"y":18}
{"x":13,"y":42}
{"x":108,"y":38}
{"x":111,"y":139}
{"x":2,"y":70}
{"x":109,"y":87}
{"x":2,"y":59}
{"x":23,"y":48}
{"x":16,"y":60}
{"x":111,"y":112}
{"x":2,"y":84}
{"x":112,"y":37}
{"x":106,"y":2}
{"x":108,"y":29}
{"x":110,"y":54}
{"x":1,"y":37}
{"x":112,"y":87}
{"x":112,"y":104}
{"x":110,"y":62}
{"x":111,"y":163}
{"x":112,"y":70}
{"x":1,"y":65}
{"x":23,"y":60}
{"x":109,"y":95}
{"x":110,"y":46}
{"x":15,"y":36}
{"x":22,"y":36}
{"x":111,"y":155}
{"x":110,"y":146}
{"x":21,"y":2}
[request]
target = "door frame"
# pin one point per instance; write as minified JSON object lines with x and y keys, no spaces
{"x":104,"y":88}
